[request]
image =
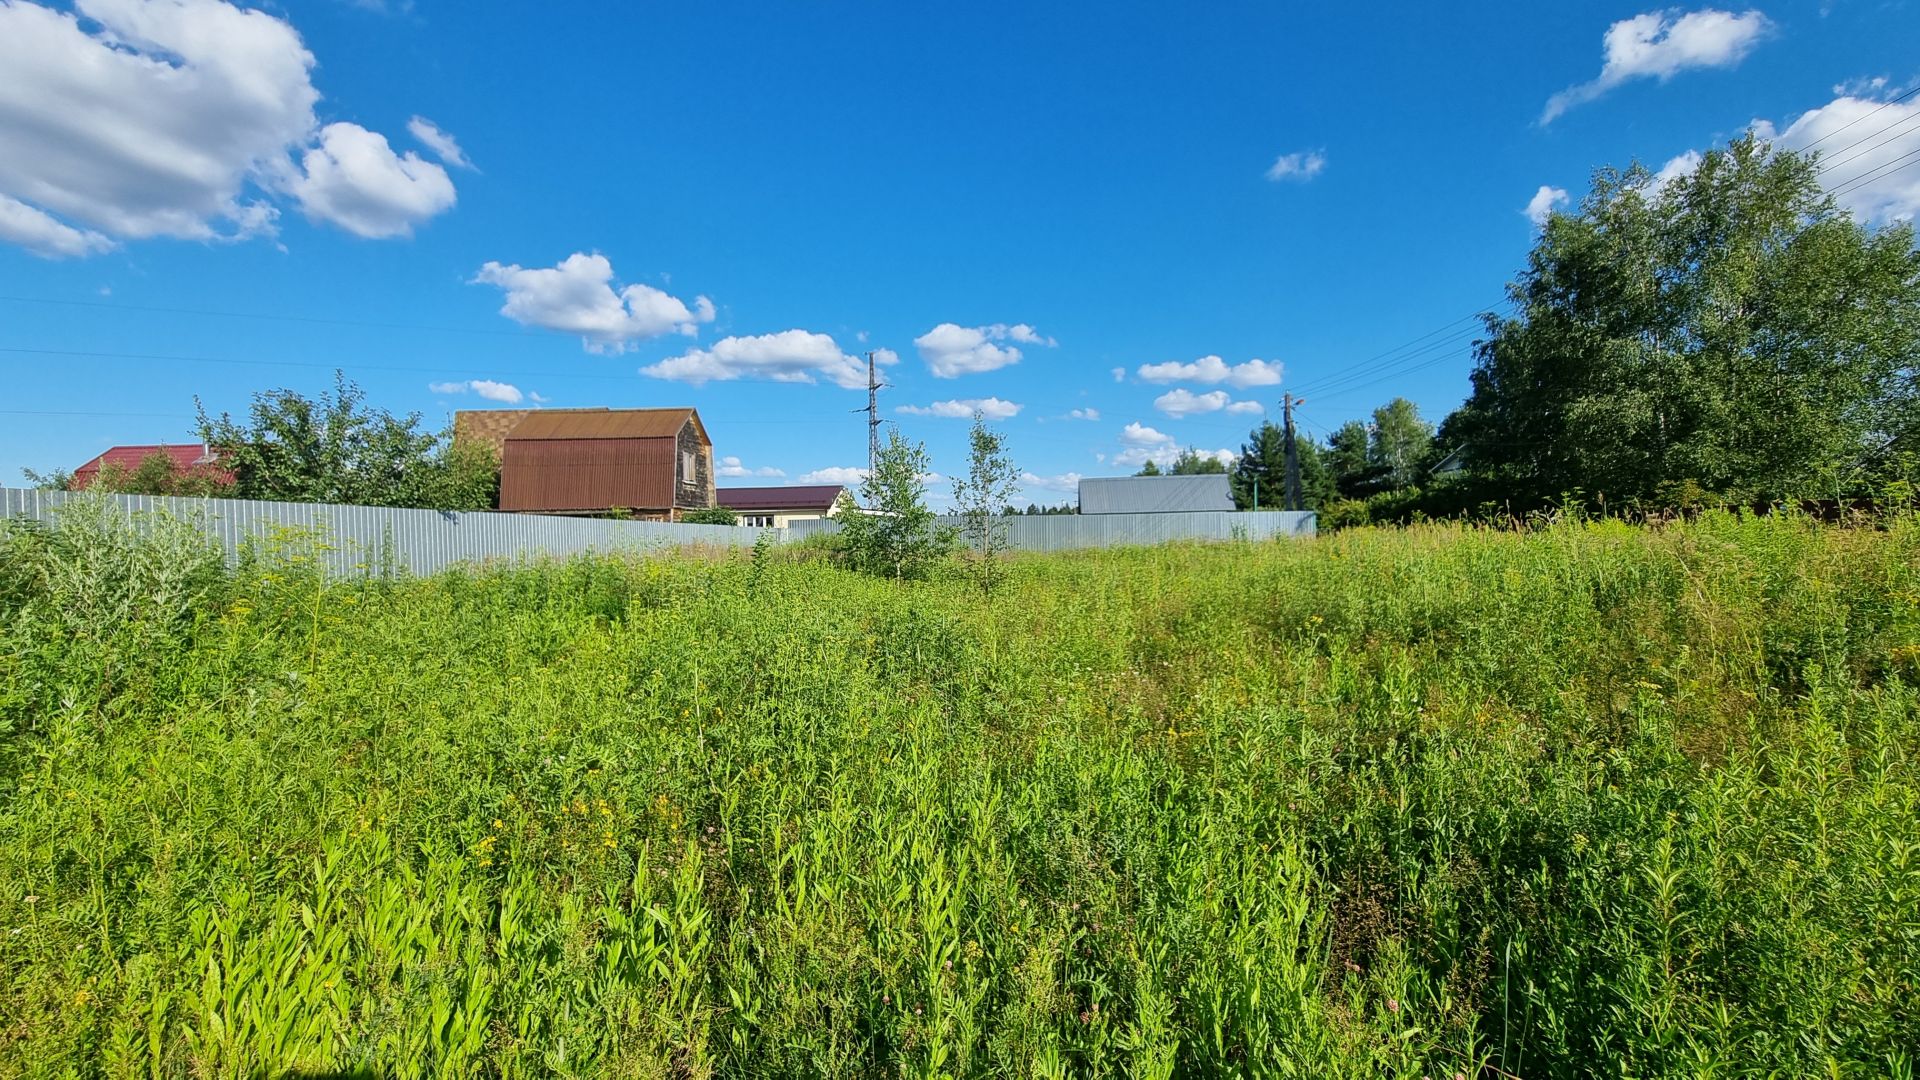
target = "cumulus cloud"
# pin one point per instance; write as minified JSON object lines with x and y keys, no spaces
{"x":486,"y":388}
{"x":1067,"y":481}
{"x":1246,"y":408}
{"x":45,"y":235}
{"x":1119,"y":374}
{"x":1083,"y":414}
{"x":992,"y":408}
{"x":355,"y":180}
{"x":1301,"y":165}
{"x":1137,"y":434}
{"x":951,"y":350}
{"x":794,"y":356}
{"x":1660,"y":45}
{"x":1211,"y":370}
{"x":129,"y":119}
{"x":1143,"y":444}
{"x":578,"y":296}
{"x":1864,"y":162}
{"x":1181,"y":402}
{"x":1544,"y":203}
{"x":835,"y":474}
{"x":731,"y":469}
{"x":444,"y":145}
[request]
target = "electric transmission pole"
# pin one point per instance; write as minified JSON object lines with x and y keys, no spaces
{"x":873,"y":415}
{"x":1292,"y":500}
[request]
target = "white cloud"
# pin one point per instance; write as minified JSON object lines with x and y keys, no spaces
{"x":1676,"y":167}
{"x":1246,"y":408}
{"x":355,"y":180}
{"x":1862,"y":162}
{"x":1164,"y":456}
{"x":992,"y":408}
{"x":45,"y":235}
{"x":1301,"y":165}
{"x":1659,"y":45}
{"x":1209,"y":370}
{"x":1181,"y":402}
{"x":486,"y":388}
{"x":443,"y":144}
{"x":951,"y":350}
{"x":1137,"y":434}
{"x":1119,"y":374}
{"x":731,"y":468}
{"x":128,"y":119}
{"x":537,"y":399}
{"x":835,"y":474}
{"x":1084,"y":414}
{"x":1144,"y":444}
{"x":577,"y":297}
{"x":1068,"y":481}
{"x":795,"y":356}
{"x":496,"y":391}
{"x":1544,"y":203}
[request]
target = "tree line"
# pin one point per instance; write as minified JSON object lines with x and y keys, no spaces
{"x":1729,"y":336}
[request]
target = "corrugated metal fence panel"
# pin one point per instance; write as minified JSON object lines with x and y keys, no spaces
{"x":1069,"y":532}
{"x":359,"y":538}
{"x":1155,"y":494}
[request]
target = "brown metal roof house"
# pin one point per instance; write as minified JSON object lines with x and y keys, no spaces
{"x":781,"y":506}
{"x":653,"y":463}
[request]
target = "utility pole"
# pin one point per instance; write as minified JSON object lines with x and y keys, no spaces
{"x":1293,"y":499}
{"x":873,"y":415}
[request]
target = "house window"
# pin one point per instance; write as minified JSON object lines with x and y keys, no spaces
{"x":762,"y":521}
{"x":686,"y":468}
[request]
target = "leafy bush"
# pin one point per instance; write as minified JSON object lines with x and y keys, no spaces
{"x":711,"y":515}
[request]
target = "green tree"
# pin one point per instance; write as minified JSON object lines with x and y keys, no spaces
{"x":339,"y":450}
{"x":1192,"y":462}
{"x":896,"y":535}
{"x":1733,"y":332}
{"x":57,"y":480}
{"x":1399,"y":442}
{"x":983,"y":498}
{"x":1262,"y":470}
{"x":159,"y":474}
{"x":1150,"y":469}
{"x":1349,"y":461}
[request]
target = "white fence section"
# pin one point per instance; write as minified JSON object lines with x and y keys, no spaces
{"x":422,"y":541}
{"x":1069,"y":532}
{"x":362,"y":538}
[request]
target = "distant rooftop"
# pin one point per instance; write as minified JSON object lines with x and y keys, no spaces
{"x":1155,"y":494}
{"x":798,"y":497}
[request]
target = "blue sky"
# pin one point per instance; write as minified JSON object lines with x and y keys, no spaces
{"x":1101,"y":214}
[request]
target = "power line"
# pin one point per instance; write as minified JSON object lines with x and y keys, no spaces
{"x":307,"y":319}
{"x":69,"y":412}
{"x":1855,"y":120}
{"x":1880,"y":173}
{"x":1388,"y":356}
{"x":1824,"y":166}
{"x":1420,"y":359}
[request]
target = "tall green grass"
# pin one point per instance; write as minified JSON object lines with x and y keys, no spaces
{"x":1439,"y":802}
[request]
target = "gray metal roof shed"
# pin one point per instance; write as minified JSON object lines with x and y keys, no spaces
{"x":1155,"y":494}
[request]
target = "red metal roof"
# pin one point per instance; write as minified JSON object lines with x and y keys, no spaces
{"x":800,"y":497}
{"x":185,"y":458}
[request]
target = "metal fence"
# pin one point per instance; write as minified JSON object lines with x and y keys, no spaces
{"x":359,"y":538}
{"x":1069,"y":532}
{"x":422,"y":541}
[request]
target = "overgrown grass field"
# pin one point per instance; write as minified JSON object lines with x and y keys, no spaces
{"x":1587,"y":800}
